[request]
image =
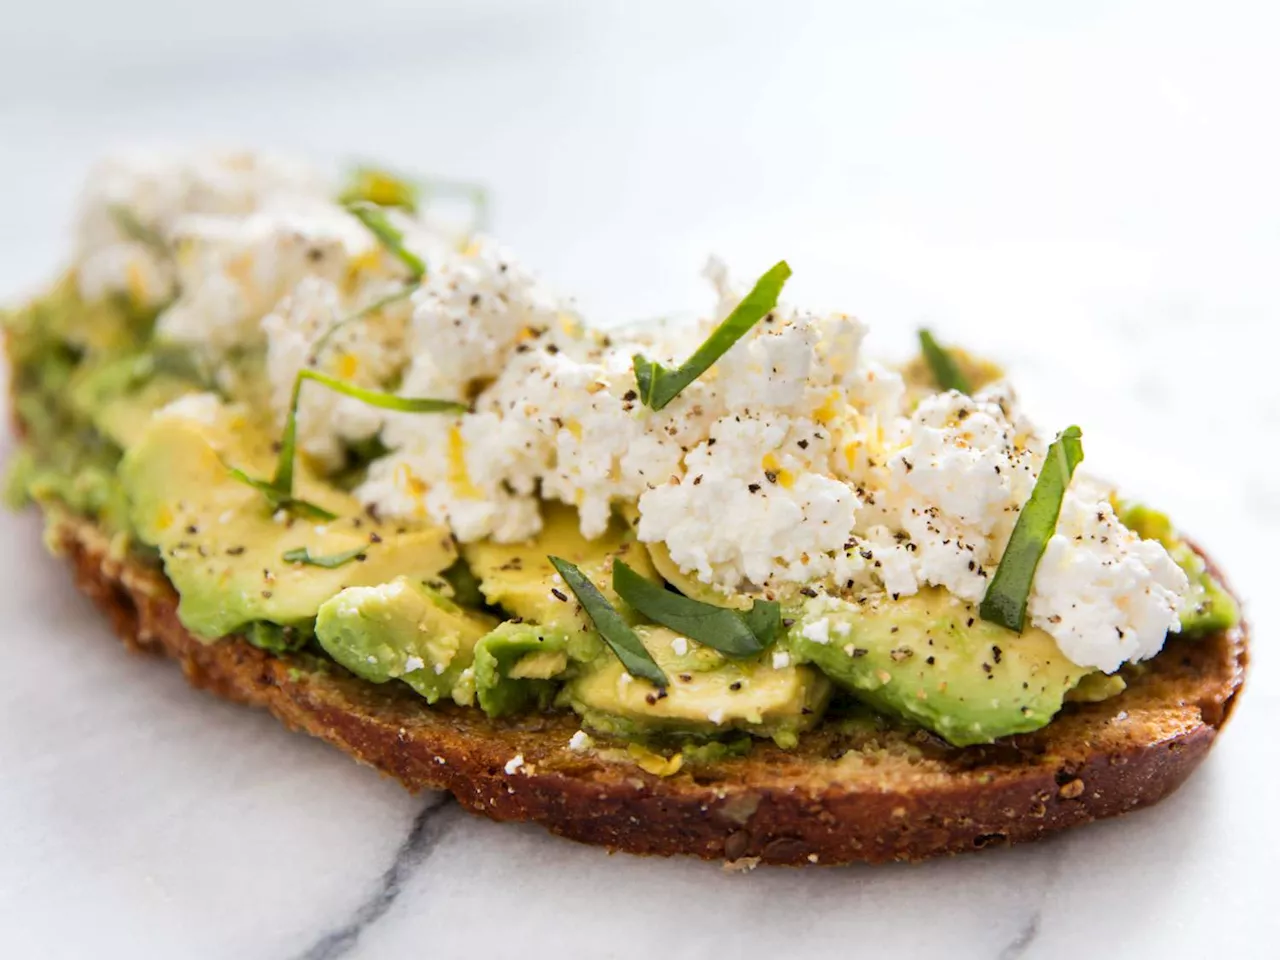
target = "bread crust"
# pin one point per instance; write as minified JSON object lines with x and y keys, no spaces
{"x":841,"y":797}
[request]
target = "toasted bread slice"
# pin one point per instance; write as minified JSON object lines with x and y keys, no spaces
{"x":840,"y":797}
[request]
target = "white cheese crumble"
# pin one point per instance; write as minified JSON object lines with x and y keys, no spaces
{"x":581,"y":742}
{"x":412,"y":663}
{"x":781,"y":660}
{"x":679,"y":646}
{"x":514,"y":764}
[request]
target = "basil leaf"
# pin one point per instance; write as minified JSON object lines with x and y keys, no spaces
{"x":1005,"y":602}
{"x":303,"y":555}
{"x":376,"y":220}
{"x":615,"y":632}
{"x":659,"y":385}
{"x":717,"y":627}
{"x":136,"y":230}
{"x":946,"y":372}
{"x":360,"y":314}
{"x":387,"y":401}
{"x":283,"y":501}
{"x":279,"y":490}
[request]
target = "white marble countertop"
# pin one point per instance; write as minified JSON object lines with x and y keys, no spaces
{"x":1088,"y":193}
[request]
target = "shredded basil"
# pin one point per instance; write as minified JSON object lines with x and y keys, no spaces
{"x":727,"y":631}
{"x":946,"y":372}
{"x":1006,"y":600}
{"x":387,"y":234}
{"x":615,"y":632}
{"x":660,"y":385}
{"x":279,"y":490}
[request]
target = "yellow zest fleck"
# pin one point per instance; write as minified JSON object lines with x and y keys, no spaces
{"x":526,"y":333}
{"x":851,"y":453}
{"x":829,"y":408}
{"x":384,"y":190}
{"x":569,"y":325}
{"x":409,"y":481}
{"x":471,"y":249}
{"x":240,"y":269}
{"x":459,"y":479}
{"x":135,"y":282}
{"x":780,"y":473}
{"x":655,"y":763}
{"x":164,"y":517}
{"x":367,"y":262}
{"x":574,"y":428}
{"x":347,"y":366}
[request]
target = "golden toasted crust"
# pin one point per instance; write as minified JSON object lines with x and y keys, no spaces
{"x":840,"y":797}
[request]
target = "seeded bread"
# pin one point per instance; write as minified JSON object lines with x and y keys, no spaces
{"x":841,"y":797}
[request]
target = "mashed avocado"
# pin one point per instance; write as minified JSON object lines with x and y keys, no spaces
{"x":135,"y":406}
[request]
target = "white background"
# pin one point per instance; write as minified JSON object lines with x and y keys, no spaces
{"x":1087,"y":191}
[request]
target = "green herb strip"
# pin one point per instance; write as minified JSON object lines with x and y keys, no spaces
{"x":279,"y":490}
{"x":946,"y":372}
{"x":303,"y":555}
{"x":136,"y":230}
{"x":615,"y":632}
{"x":386,"y":189}
{"x":280,"y":500}
{"x":1006,"y":600}
{"x":660,"y":385}
{"x":377,"y":222}
{"x":379,"y":304}
{"x":731,"y":633}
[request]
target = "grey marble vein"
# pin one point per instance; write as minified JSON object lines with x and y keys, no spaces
{"x":1030,"y":929}
{"x":1017,"y":947}
{"x":428,"y":827}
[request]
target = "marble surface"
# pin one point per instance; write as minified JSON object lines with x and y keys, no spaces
{"x":1089,"y":193}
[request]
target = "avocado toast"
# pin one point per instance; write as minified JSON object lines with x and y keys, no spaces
{"x":735,"y":590}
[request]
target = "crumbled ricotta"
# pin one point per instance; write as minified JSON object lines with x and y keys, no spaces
{"x":514,"y":764}
{"x":788,"y":518}
{"x":233,"y":270}
{"x":581,"y":742}
{"x":1104,"y":594}
{"x":307,"y":329}
{"x":156,"y":191}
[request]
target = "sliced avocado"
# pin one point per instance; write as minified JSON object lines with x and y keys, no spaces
{"x":519,"y":578}
{"x":118,"y":396}
{"x":932,"y":659}
{"x":516,"y":665}
{"x":709,"y":694}
{"x":1096,"y":687}
{"x":403,"y":630}
{"x":221,"y":545}
{"x":689,"y":584}
{"x":1208,"y":607}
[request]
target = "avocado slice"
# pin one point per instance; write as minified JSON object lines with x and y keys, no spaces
{"x":118,"y":396}
{"x":223,"y":549}
{"x":519,"y":578}
{"x":403,"y":630}
{"x":1208,"y":607}
{"x":689,"y":584}
{"x":516,"y":667}
{"x":930,"y":658}
{"x":709,"y":694}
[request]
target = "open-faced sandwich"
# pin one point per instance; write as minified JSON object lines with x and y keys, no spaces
{"x":731,"y":588}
